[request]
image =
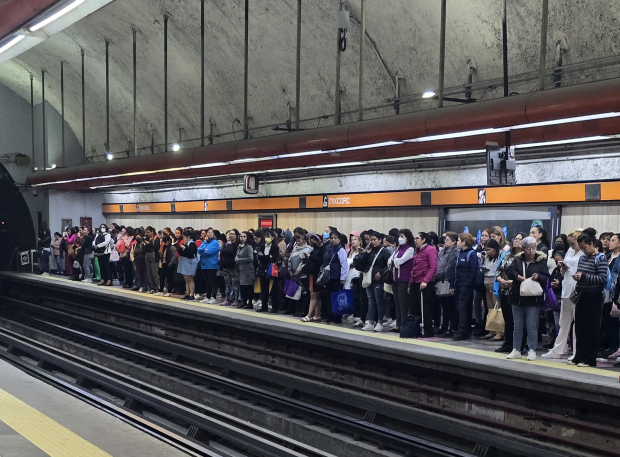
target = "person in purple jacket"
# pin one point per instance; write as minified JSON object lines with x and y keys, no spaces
{"x":422,"y":282}
{"x":402,"y":263}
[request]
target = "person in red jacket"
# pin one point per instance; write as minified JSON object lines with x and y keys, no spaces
{"x":422,"y":282}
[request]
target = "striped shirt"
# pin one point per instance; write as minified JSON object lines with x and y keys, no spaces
{"x":593,"y":273}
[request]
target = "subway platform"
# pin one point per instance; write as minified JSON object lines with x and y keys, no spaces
{"x":37,"y":419}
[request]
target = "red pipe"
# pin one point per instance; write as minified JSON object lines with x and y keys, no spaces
{"x":17,"y":13}
{"x":594,"y":98}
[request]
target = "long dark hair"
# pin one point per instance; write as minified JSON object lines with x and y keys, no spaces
{"x":544,"y":239}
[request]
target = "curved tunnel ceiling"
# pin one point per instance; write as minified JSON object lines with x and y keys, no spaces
{"x":401,"y":42}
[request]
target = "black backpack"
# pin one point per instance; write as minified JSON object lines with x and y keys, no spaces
{"x":410,"y":328}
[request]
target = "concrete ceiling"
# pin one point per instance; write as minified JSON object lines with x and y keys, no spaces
{"x":402,"y":40}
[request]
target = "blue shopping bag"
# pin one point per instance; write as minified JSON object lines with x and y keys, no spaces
{"x":342,"y":302}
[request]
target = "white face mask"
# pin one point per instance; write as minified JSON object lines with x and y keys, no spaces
{"x":402,"y":241}
{"x":102,"y":229}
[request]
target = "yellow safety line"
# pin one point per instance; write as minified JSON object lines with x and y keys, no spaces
{"x":390,"y":337}
{"x":46,"y":434}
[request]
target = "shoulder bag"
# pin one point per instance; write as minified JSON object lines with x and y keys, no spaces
{"x":367,"y":277}
{"x":324,"y":275}
{"x":529,"y":287}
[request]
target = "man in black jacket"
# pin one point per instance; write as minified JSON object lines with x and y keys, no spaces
{"x":151,"y":248}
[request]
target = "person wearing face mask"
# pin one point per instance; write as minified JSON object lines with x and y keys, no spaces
{"x":560,"y":244}
{"x":102,"y":249}
{"x":567,"y":310}
{"x":402,"y":262}
{"x":267,"y":252}
{"x":247,"y":274}
{"x":326,"y":233}
{"x":389,"y":242}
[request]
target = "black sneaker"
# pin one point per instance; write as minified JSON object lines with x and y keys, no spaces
{"x":504,"y":349}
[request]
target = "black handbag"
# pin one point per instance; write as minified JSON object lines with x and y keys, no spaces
{"x":387,"y":276}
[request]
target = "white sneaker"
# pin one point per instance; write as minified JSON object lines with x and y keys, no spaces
{"x":159,"y":294}
{"x":387,"y":323}
{"x":393,"y":324}
{"x":165,"y":290}
{"x":567,"y":351}
{"x":368,"y":327}
{"x":379,"y":327}
{"x":141,"y":289}
{"x":87,"y":280}
{"x":359,"y":323}
{"x":531,"y":355}
{"x":167,"y":295}
{"x":351,"y":318}
{"x":514,"y":355}
{"x":570,"y":359}
{"x":550,"y":355}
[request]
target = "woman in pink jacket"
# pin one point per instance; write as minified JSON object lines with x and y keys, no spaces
{"x":422,"y":282}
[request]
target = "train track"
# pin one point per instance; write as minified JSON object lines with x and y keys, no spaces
{"x":178,"y":358}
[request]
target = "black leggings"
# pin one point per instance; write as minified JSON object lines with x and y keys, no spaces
{"x":104,"y":267}
{"x":128,"y":270}
{"x":211,"y":285}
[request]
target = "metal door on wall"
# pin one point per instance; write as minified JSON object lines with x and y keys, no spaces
{"x":86,"y":222}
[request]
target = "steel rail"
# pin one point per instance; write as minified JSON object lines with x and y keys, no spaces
{"x":335,"y":420}
{"x":230,"y":428}
{"x":221,"y":356}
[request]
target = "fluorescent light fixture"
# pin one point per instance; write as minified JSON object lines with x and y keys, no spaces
{"x":36,"y":168}
{"x":53,"y":166}
{"x":176,"y":147}
{"x":435,"y":155}
{"x":332,"y":165}
{"x":368,"y":146}
{"x":302,"y":154}
{"x":256,"y":159}
{"x":428,"y":94}
{"x":559,"y":142}
{"x":209,"y":165}
{"x":12,"y":43}
{"x":109,"y":155}
{"x":447,"y":136}
{"x":566,"y":120}
{"x":56,"y":15}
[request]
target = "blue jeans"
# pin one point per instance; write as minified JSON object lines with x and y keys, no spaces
{"x":376,"y":303}
{"x":45,"y":261}
{"x":525,"y":316}
{"x":88,"y":266}
{"x":60,"y":264}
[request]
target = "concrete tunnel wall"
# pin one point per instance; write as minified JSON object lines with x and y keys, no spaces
{"x":401,"y":42}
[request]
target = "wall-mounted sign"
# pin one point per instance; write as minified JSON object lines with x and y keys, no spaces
{"x":266,"y":221}
{"x":482,"y":196}
{"x":143,"y":208}
{"x":250,"y":184}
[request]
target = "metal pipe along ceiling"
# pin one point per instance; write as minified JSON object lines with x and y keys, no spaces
{"x":587,"y":99}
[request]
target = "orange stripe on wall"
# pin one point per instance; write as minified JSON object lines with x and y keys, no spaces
{"x":454,"y":197}
{"x":216,"y":205}
{"x":189,"y":207}
{"x":315,"y":201}
{"x":154,"y":207}
{"x":610,"y":191}
{"x":111,"y":209}
{"x":537,"y":194}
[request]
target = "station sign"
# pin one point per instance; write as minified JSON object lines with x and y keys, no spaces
{"x":250,"y":184}
{"x":266,"y":221}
